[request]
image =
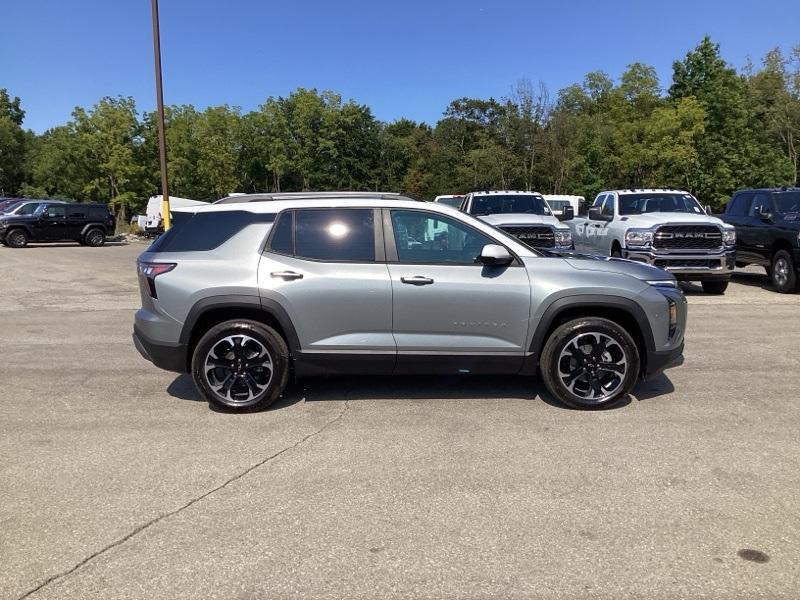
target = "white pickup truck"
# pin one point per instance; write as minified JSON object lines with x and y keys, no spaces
{"x":525,"y":215}
{"x":665,"y":228}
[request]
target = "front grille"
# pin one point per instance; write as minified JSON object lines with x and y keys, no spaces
{"x":538,"y":237}
{"x":688,"y":237}
{"x":692,"y":263}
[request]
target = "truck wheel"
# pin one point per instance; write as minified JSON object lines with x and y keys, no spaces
{"x":783,"y":273}
{"x":714,"y":287}
{"x":616,"y":252}
{"x":590,"y":363}
{"x":241,"y":365}
{"x":94,"y":238}
{"x":17,"y":238}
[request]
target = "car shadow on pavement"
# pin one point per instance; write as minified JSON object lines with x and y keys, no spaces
{"x":760,"y":280}
{"x":427,"y":387}
{"x":38,"y":246}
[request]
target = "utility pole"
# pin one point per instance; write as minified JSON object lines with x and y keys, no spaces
{"x":162,"y":142}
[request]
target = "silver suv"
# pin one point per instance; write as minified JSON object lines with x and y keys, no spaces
{"x":243,"y":292}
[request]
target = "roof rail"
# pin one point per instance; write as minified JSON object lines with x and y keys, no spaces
{"x":276,"y":196}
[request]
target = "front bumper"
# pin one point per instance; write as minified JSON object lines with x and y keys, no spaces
{"x":658,"y":361}
{"x":687,"y":265}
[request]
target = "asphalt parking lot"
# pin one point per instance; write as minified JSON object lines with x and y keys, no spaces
{"x":116,"y":481}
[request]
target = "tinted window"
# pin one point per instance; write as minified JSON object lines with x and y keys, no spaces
{"x":454,"y":202}
{"x":598,"y":202}
{"x":505,"y":204}
{"x":27,"y":209}
{"x":282,"y":241}
{"x":740,"y":204}
{"x":422,"y":237}
{"x":787,"y":202}
{"x":335,"y":234}
{"x":637,"y":204}
{"x":98,"y":212}
{"x":205,"y":231}
{"x":76,"y":212}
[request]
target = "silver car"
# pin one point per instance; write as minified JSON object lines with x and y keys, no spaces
{"x":245,"y":291}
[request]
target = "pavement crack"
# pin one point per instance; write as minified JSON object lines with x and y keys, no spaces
{"x":192,"y":502}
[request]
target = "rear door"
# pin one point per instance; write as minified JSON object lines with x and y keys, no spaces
{"x":326,"y":267}
{"x":54,"y":223}
{"x":76,"y":217}
{"x":452,"y":314}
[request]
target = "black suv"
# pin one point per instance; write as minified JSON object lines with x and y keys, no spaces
{"x":767,"y":225}
{"x":37,"y":221}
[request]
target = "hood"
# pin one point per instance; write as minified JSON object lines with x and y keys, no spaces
{"x":11,"y":218}
{"x":659,"y":218}
{"x":642,"y":271}
{"x":522,"y":220}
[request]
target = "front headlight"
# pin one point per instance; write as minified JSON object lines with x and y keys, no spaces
{"x":563,"y":238}
{"x":638,"y":237}
{"x":668,"y":283}
{"x":729,"y":237}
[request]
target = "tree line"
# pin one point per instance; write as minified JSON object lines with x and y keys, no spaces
{"x":713,"y":130}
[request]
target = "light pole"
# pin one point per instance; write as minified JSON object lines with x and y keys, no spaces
{"x":162,"y":142}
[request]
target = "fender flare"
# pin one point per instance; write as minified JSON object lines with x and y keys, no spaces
{"x":89,"y":226}
{"x":267,"y":306}
{"x":557,"y":307}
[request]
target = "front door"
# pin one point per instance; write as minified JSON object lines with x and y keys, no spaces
{"x":326,"y":268}
{"x":452,"y":314}
{"x":756,"y":233}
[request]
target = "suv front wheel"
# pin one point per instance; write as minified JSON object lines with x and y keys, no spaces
{"x":590,"y":363}
{"x":241,"y":365}
{"x":16,"y":238}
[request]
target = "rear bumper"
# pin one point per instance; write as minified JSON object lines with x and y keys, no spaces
{"x":661,"y":361}
{"x":683,"y":265}
{"x":169,"y":358}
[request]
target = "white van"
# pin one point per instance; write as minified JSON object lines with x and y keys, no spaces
{"x":557,"y":203}
{"x":154,"y":223}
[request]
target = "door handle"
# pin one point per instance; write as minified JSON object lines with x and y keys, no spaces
{"x":287,"y":275}
{"x":417,"y":280}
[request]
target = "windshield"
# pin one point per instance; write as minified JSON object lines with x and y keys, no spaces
{"x":26,"y":208}
{"x":454,"y":202}
{"x":10,"y":207}
{"x":497,"y":204}
{"x":637,"y":204}
{"x":787,"y":202}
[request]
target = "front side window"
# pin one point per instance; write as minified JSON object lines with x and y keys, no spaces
{"x":56,"y":212}
{"x":608,"y":205}
{"x":637,"y":204}
{"x":422,"y":237}
{"x":497,"y":204}
{"x":598,"y":202}
{"x":335,"y":234}
{"x":760,"y":204}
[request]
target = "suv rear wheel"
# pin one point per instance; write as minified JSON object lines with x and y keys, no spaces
{"x":17,"y":238}
{"x":783,"y":273}
{"x":241,"y":365}
{"x":94,"y":237}
{"x":590,"y":363}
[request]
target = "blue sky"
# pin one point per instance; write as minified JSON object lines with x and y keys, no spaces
{"x":407,"y":58}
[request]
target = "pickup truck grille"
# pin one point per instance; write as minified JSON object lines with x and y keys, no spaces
{"x":693,"y":263}
{"x":688,"y":237}
{"x":538,"y":237}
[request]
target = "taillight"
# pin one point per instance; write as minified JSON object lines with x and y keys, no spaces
{"x":148,"y":271}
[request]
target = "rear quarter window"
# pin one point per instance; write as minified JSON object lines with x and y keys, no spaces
{"x":206,"y":231}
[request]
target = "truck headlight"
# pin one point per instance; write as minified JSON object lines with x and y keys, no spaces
{"x":729,"y":237}
{"x":638,"y":237}
{"x":563,"y":239}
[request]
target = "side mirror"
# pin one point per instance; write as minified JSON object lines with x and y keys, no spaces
{"x":595,"y":214}
{"x":567,"y":214}
{"x":762,"y":214}
{"x":495,"y":255}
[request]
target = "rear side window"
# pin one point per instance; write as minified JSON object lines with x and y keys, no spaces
{"x":282,"y":240}
{"x":342,"y":235}
{"x":206,"y":230}
{"x":76,"y":212}
{"x":98,"y":212}
{"x":740,"y":204}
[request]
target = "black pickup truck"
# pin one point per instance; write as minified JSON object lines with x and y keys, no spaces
{"x":767,"y":225}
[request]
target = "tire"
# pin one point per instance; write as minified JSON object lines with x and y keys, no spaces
{"x":714,"y":287}
{"x":16,"y":238}
{"x":94,"y":237}
{"x":570,"y":359}
{"x":783,"y":273}
{"x":233,"y":386}
{"x":616,"y":252}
